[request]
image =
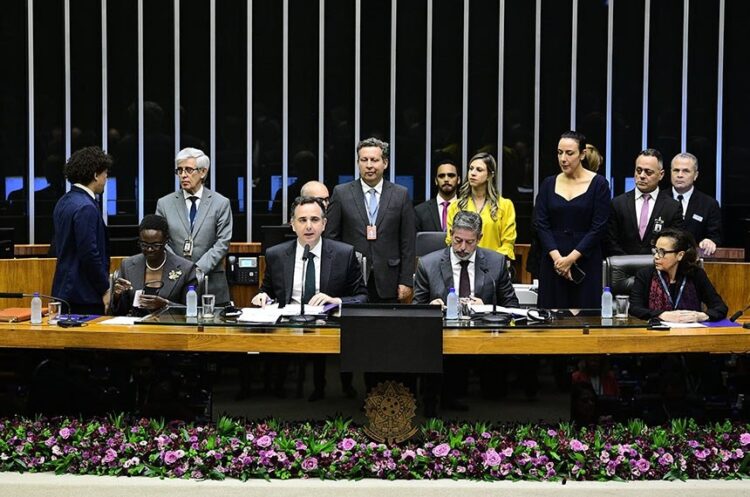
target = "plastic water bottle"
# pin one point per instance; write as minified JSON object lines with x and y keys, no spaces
{"x":606,"y":303}
{"x":36,"y":309}
{"x":192,"y":303}
{"x":451,"y":311}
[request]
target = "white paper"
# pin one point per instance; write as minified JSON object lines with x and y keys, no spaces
{"x":293,"y":310}
{"x":268,"y":314}
{"x":485,"y":308}
{"x":137,"y":298}
{"x":673,"y":324}
{"x":121,"y":320}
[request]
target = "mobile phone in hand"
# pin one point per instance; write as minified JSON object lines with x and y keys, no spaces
{"x":577,"y":273}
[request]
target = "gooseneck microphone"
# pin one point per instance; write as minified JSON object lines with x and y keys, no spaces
{"x":493,"y":317}
{"x":64,"y":323}
{"x":737,"y":314}
{"x":301,"y":318}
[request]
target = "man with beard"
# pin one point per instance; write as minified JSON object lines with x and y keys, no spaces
{"x":432,"y":215}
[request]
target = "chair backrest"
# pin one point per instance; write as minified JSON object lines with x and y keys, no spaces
{"x":429,"y":241}
{"x":618,"y":271}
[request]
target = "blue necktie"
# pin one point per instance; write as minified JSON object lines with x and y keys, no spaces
{"x":193,"y":209}
{"x":372,"y":207}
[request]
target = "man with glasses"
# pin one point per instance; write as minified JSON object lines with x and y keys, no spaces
{"x":200,"y":221}
{"x":640,"y":214}
{"x":432,"y":215}
{"x":315,"y":189}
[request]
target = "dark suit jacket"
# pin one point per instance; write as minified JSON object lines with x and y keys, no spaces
{"x":426,"y":216}
{"x":178,"y":274}
{"x":623,"y":237}
{"x":340,"y":272}
{"x":703,"y":217}
{"x":82,"y":247}
{"x":435,"y":276}
{"x":390,"y":258}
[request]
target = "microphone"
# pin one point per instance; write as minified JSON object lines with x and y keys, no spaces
{"x":63,"y":323}
{"x":737,"y":314}
{"x":301,"y":318}
{"x":493,"y":317}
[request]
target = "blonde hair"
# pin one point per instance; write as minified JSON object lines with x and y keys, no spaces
{"x":464,"y":193}
{"x":593,"y":157}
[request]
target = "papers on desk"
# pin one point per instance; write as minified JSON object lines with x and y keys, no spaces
{"x":271,"y":313}
{"x":121,"y":320}
{"x":486,"y":308}
{"x":672,"y":324}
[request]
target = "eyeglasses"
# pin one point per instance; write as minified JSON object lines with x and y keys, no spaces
{"x":189,"y":170}
{"x":150,"y":246}
{"x":660,"y":252}
{"x":323,"y":199}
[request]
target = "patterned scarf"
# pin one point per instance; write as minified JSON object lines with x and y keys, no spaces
{"x":658,"y":300}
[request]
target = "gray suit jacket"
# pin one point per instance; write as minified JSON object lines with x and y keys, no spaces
{"x":178,"y":274}
{"x":211,"y":233}
{"x":391,"y":257}
{"x":435,"y":276}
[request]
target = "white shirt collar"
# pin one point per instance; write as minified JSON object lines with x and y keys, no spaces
{"x":440,"y":200}
{"x":317,"y":249}
{"x":86,"y":189}
{"x":366,"y":188}
{"x":639,"y":194}
{"x":455,"y":260}
{"x":198,"y":194}
{"x":685,"y":195}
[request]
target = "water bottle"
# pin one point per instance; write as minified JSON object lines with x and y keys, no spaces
{"x":606,"y":303}
{"x":36,"y":309}
{"x":451,"y":311}
{"x":192,"y":303}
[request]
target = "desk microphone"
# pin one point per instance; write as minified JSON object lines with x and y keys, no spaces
{"x":737,"y":314}
{"x":301,"y":318}
{"x":68,"y":322}
{"x":493,"y":317}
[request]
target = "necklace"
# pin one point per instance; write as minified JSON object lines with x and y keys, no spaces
{"x":160,"y":265}
{"x":476,"y":205}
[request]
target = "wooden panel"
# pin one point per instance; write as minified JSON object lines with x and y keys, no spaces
{"x":732,"y":281}
{"x":41,"y":250}
{"x":326,"y":340}
{"x":727,"y":254}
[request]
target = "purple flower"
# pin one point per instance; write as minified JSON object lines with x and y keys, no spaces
{"x":66,"y":432}
{"x":692,"y":444}
{"x":264,"y":441}
{"x":643,"y":465}
{"x":551,"y":433}
{"x":300,"y":445}
{"x":492,"y":458}
{"x":578,"y":446}
{"x":702,"y":454}
{"x":171,"y":457}
{"x":666,"y":459}
{"x":469,"y":440}
{"x":507,"y":452}
{"x":529,"y":443}
{"x":310,"y":464}
{"x":408,"y":453}
{"x":745,"y":438}
{"x":486,"y":435}
{"x":441,"y":450}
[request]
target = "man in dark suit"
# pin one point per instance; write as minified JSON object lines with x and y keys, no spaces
{"x":641,"y":213}
{"x":82,"y":271}
{"x":471,"y":271}
{"x":701,"y":213}
{"x":200,"y":221}
{"x":377,"y":218}
{"x":432,"y":215}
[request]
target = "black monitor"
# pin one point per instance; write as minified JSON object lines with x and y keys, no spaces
{"x":392,"y":338}
{"x":7,"y":243}
{"x":274,"y":235}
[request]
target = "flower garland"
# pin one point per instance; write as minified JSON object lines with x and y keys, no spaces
{"x":336,"y":450}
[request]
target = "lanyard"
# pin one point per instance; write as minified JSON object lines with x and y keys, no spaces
{"x":669,"y":295}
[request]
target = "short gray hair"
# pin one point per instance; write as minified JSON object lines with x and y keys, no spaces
{"x":467,"y":220}
{"x":374,"y":142}
{"x":688,"y":156}
{"x":201,"y":160}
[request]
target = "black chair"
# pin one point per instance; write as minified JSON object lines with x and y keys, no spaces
{"x":429,"y":241}
{"x":618,"y":271}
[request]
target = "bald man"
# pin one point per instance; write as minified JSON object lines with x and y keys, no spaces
{"x":315,"y":189}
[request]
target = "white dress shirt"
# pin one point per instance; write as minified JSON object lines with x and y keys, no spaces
{"x":471,"y":269}
{"x":639,"y":204}
{"x":440,"y":201}
{"x":86,"y":189}
{"x":298,"y":266}
{"x":366,"y":190}
{"x":188,"y":203}
{"x":685,"y":198}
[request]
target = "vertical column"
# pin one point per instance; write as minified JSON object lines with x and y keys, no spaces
{"x":685,"y":43}
{"x":177,"y":98}
{"x":720,"y":103}
{"x":610,"y":54}
{"x":66,"y":23}
{"x":212,"y":93}
{"x":537,"y":89}
{"x":140,"y":110}
{"x":30,"y":85}
{"x":465,"y":93}
{"x":428,"y":108}
{"x":285,"y":113}
{"x":249,"y":125}
{"x":105,"y":102}
{"x":393,"y":93}
{"x":321,"y":88}
{"x":573,"y":65}
{"x":646,"y":39}
{"x":500,"y":92}
{"x":357,"y":89}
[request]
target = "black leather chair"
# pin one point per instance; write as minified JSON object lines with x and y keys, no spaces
{"x":429,"y":241}
{"x":618,"y":271}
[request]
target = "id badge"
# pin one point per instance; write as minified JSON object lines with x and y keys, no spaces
{"x":372,"y":232}
{"x":187,"y":249}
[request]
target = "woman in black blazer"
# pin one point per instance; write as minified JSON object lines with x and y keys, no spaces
{"x":676,"y":289}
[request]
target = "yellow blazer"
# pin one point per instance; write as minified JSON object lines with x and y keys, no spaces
{"x":499,"y":234}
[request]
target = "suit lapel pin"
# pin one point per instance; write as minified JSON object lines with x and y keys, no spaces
{"x":658,"y":223}
{"x":175,"y":274}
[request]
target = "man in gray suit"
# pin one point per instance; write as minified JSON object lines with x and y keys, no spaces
{"x":200,"y":221}
{"x":465,"y":267}
{"x":377,"y":218}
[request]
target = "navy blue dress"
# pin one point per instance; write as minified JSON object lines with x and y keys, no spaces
{"x":579,"y":223}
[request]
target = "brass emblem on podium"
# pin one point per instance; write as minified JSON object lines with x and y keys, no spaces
{"x":390,"y":407}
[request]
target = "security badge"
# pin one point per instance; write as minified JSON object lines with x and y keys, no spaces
{"x":372,"y":232}
{"x":187,"y":248}
{"x":658,"y":223}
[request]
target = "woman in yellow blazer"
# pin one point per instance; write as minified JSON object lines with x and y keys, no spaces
{"x":479,"y":194}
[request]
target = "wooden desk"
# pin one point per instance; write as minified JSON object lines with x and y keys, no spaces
{"x":326,"y":340}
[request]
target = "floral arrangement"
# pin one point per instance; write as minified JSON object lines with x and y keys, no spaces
{"x":336,"y":450}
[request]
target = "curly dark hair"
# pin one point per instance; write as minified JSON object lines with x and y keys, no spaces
{"x":85,"y":163}
{"x":683,"y":242}
{"x":154,"y":222}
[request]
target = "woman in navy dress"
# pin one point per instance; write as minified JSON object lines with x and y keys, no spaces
{"x":572,"y":210}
